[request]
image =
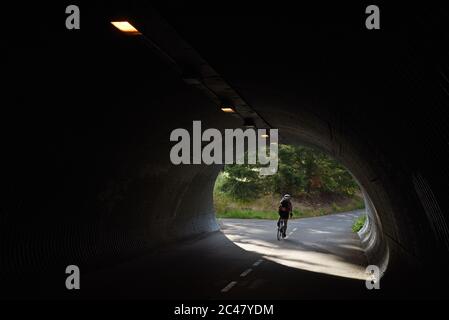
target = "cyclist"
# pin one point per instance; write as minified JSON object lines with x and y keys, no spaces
{"x":285,"y":210}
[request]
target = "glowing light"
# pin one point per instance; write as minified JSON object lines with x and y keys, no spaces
{"x":227,"y":110}
{"x":125,"y":26}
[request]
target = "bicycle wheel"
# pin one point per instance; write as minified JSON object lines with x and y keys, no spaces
{"x":279,"y":233}
{"x":281,"y":230}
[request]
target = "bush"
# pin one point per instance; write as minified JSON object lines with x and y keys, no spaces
{"x":359,"y":223}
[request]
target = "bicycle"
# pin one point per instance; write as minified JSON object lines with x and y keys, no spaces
{"x":281,"y":228}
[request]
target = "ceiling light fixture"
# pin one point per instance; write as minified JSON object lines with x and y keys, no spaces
{"x":227,"y":109}
{"x":125,"y":27}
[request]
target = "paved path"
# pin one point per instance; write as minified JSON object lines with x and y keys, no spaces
{"x":323,"y":244}
{"x":320,"y":258}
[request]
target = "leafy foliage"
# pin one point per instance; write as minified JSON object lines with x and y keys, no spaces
{"x":359,"y":223}
{"x":301,"y":171}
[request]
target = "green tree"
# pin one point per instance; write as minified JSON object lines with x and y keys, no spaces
{"x":242,"y":182}
{"x":301,"y":170}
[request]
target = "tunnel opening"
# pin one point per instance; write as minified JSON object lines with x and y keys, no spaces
{"x":332,"y":228}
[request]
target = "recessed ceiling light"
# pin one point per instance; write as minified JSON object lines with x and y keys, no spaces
{"x":227,"y":109}
{"x":125,"y":26}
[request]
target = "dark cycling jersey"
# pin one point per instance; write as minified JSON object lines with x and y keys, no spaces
{"x":285,"y":209}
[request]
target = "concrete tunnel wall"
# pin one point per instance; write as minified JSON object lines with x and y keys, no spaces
{"x":118,"y":193}
{"x":87,"y":178}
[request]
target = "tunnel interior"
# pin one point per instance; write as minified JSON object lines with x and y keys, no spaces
{"x":86,"y":173}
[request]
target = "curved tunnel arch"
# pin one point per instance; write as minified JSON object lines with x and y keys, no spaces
{"x":114,"y":193}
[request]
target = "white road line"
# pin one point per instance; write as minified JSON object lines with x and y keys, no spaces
{"x":245,"y":273}
{"x":255,"y":264}
{"x":295,"y":229}
{"x":229,"y":286}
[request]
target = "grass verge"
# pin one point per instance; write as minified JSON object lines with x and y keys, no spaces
{"x":358,"y":223}
{"x":266,"y":208}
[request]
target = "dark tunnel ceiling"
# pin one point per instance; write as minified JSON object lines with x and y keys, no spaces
{"x":317,"y":55}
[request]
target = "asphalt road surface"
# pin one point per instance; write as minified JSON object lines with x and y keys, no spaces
{"x":324,"y":244}
{"x":320,"y":258}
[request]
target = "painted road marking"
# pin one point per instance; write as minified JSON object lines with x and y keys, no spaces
{"x":255,"y":264}
{"x":291,"y":232}
{"x":245,"y":273}
{"x":229,"y":286}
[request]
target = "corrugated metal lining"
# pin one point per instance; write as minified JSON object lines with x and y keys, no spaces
{"x":435,"y":216}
